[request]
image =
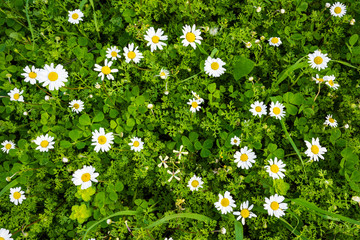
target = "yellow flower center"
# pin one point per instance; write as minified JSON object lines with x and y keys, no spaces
{"x":131,"y":55}
{"x":194,"y":104}
{"x":331,"y":82}
{"x":44,"y":143}
{"x":225,"y":202}
{"x":162,"y":74}
{"x":275,"y":40}
{"x":113,"y":54}
{"x":320,"y":79}
{"x":244,"y":157}
{"x":105,"y":70}
{"x":318,"y":60}
{"x":75,"y":16}
{"x":8,"y":146}
{"x":245,"y":213}
{"x":53,"y":76}
{"x":16,"y":96}
{"x":1,"y":238}
{"x":235,"y":141}
{"x":155,"y":39}
{"x":136,"y":144}
{"x":337,"y":10}
{"x":276,"y":110}
{"x":274,"y":206}
{"x":274,"y":168}
{"x":76,"y":106}
{"x":17,"y":195}
{"x":331,"y":120}
{"x":190,"y":37}
{"x":85,"y":177}
{"x":32,"y":75}
{"x":195,"y":183}
{"x":102,"y":140}
{"x":258,"y":109}
{"x":314,"y":149}
{"x":214,"y":66}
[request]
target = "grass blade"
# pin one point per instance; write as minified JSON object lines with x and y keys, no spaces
{"x":284,"y":74}
{"x":313,"y":207}
{"x":121,"y":213}
{"x":28,"y":20}
{"x":7,"y":187}
{"x":239,"y":231}
{"x":180,"y":215}
{"x":95,"y":19}
{"x":344,"y":63}
{"x":291,"y":228}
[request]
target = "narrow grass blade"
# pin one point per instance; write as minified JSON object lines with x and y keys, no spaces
{"x":291,"y":228}
{"x":180,"y":215}
{"x":95,"y":19}
{"x":82,"y":3}
{"x":7,"y":187}
{"x":292,"y":143}
{"x":284,"y":74}
{"x":30,"y":26}
{"x":201,"y":49}
{"x":313,"y":207}
{"x":239,"y":231}
{"x":189,"y":78}
{"x":121,"y":213}
{"x":344,"y":63}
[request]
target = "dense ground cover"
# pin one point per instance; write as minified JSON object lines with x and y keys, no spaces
{"x":167,"y":129}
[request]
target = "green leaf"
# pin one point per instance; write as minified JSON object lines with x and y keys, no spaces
{"x":84,"y":119}
{"x":140,"y":100}
{"x":239,"y":231}
{"x":242,"y":67}
{"x":187,"y":143}
{"x":100,"y":199}
{"x":208,"y":143}
{"x":99,"y":117}
{"x":212,"y":87}
{"x":119,"y":186}
{"x":197,"y":145}
{"x":355,"y":176}
{"x":284,"y":74}
{"x":296,"y":99}
{"x":344,"y":63}
{"x":281,"y":187}
{"x":65,"y":144}
{"x":313,"y":207}
{"x":353,"y":39}
{"x":272,"y":147}
{"x":302,"y":7}
{"x":291,"y":228}
{"x":193,"y":136}
{"x":335,"y":134}
{"x":6,"y":189}
{"x":291,"y":109}
{"x":74,"y":135}
{"x":195,"y":216}
{"x":296,"y":36}
{"x":213,"y":52}
{"x":205,"y":153}
{"x":82,"y":3}
{"x":82,"y":41}
{"x":130,"y":122}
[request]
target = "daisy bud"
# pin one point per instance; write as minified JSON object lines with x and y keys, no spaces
{"x":8,"y":179}
{"x":356,"y":199}
{"x":223,"y":230}
{"x":97,"y":85}
{"x":213,"y":31}
{"x":327,"y":5}
{"x":282,"y":11}
{"x":90,"y":96}
{"x":57,"y":39}
{"x":352,"y":21}
{"x":47,"y":98}
{"x":262,"y":38}
{"x":108,"y":221}
{"x":65,"y":160}
{"x":251,"y":79}
{"x":258,"y":9}
{"x":25,"y":234}
{"x":25,"y":113}
{"x":8,"y":75}
{"x":166,"y":92}
{"x":346,"y":126}
{"x":248,"y":44}
{"x":150,"y":106}
{"x":121,"y":134}
{"x":257,"y":41}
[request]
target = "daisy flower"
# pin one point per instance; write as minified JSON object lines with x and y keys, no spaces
{"x":276,"y":168}
{"x":16,"y":195}
{"x":85,"y":177}
{"x":275,"y":205}
{"x":136,"y":144}
{"x":244,"y":212}
{"x":225,"y":203}
{"x":275,"y":41}
{"x":214,"y":67}
{"x":338,"y":9}
{"x":315,"y":151}
{"x":5,"y":234}
{"x":132,"y":54}
{"x":15,"y":95}
{"x":30,"y":74}
{"x":191,"y":36}
{"x":101,"y":140}
{"x":277,"y":110}
{"x":7,"y":145}
{"x":75,"y":16}
{"x":154,"y":38}
{"x":235,"y":141}
{"x":44,"y":142}
{"x":258,"y":109}
{"x":105,"y":70}
{"x":248,"y":45}
{"x":195,"y":183}
{"x":197,"y":97}
{"x":318,"y":79}
{"x":195,"y":105}
{"x":53,"y":76}
{"x":244,"y":158}
{"x":113,"y":53}
{"x":329,"y":80}
{"x":330,"y":121}
{"x":180,"y":152}
{"x":164,"y":74}
{"x":318,"y":60}
{"x":76,"y":105}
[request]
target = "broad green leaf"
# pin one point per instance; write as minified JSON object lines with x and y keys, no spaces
{"x":239,"y":231}
{"x":99,"y":117}
{"x":74,"y":135}
{"x":213,"y":52}
{"x":187,"y":143}
{"x":296,"y":36}
{"x":193,"y":136}
{"x":82,"y":41}
{"x":212,"y":87}
{"x":65,"y":144}
{"x":82,"y":3}
{"x":242,"y":67}
{"x":335,"y":134}
{"x":84,"y":119}
{"x":281,"y":186}
{"x":208,"y":143}
{"x":205,"y":153}
{"x":353,"y":39}
{"x":6,"y":189}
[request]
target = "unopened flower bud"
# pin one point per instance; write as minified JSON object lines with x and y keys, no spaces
{"x":327,"y":5}
{"x":150,"y":106}
{"x":65,"y":160}
{"x":258,"y":9}
{"x":282,"y":11}
{"x":47,"y":98}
